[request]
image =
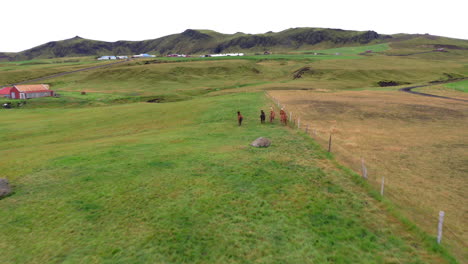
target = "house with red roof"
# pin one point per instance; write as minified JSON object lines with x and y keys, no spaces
{"x":5,"y":92}
{"x":28,"y":91}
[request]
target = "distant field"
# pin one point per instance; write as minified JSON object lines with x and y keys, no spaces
{"x":417,"y":143}
{"x":309,"y":57}
{"x":352,"y":50}
{"x":14,"y":72}
{"x":181,"y":80}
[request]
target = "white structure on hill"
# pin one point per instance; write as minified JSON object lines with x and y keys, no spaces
{"x":113,"y":58}
{"x":143,"y":55}
{"x":226,"y":54}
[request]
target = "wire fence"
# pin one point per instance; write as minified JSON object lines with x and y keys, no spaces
{"x":348,"y":157}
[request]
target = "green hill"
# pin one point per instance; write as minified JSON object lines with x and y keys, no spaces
{"x":203,"y":41}
{"x":207,"y":41}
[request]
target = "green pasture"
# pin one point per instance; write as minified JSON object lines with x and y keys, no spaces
{"x":178,"y":80}
{"x":178,"y":183}
{"x":181,"y":80}
{"x":309,"y":57}
{"x":107,"y":178}
{"x":461,"y":86}
{"x":14,"y":72}
{"x":349,"y":50}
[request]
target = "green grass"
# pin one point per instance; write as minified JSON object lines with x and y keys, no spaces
{"x":130,"y":182}
{"x":14,"y":72}
{"x":351,"y":50}
{"x":308,"y":57}
{"x":461,"y":86}
{"x":172,"y":79}
{"x":178,"y":183}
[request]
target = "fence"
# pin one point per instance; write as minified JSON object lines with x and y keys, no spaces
{"x":359,"y":165}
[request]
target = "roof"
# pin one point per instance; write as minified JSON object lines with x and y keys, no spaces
{"x":32,"y":88}
{"x":5,"y":90}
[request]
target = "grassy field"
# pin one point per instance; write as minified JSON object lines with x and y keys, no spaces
{"x":107,"y":178}
{"x":351,"y":50}
{"x":181,"y":80}
{"x":280,"y":57}
{"x":14,"y":72}
{"x":461,"y":86}
{"x":417,"y":143}
{"x":178,"y":183}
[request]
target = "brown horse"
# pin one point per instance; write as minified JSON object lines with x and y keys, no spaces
{"x":272,"y":114}
{"x":284,"y":117}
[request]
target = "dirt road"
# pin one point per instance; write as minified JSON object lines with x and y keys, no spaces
{"x":410,"y":90}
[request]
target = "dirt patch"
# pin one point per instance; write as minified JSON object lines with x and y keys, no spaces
{"x":419,"y":111}
{"x":325,"y":107}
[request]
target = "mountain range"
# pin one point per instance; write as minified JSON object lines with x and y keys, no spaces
{"x":207,"y":41}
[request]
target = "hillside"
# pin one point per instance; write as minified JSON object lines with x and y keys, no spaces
{"x":202,"y":41}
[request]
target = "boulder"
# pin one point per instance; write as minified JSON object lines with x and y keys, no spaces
{"x":5,"y":188}
{"x":261,"y":142}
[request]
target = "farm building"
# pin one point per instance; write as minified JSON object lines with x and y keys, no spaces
{"x":5,"y":92}
{"x":30,"y":91}
{"x":143,"y":55}
{"x":178,"y":55}
{"x":107,"y":58}
{"x":226,"y":54}
{"x":113,"y":58}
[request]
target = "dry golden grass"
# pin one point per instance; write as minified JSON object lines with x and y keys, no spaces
{"x":419,"y":144}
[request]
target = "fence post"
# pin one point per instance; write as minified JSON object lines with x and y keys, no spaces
{"x":329,"y":143}
{"x":298,"y":122}
{"x":439,"y":228}
{"x":364,"y":169}
{"x":314,"y":131}
{"x":290,"y":117}
{"x":382,"y":186}
{"x":307,"y":129}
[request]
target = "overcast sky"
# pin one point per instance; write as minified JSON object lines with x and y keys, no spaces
{"x":25,"y":24}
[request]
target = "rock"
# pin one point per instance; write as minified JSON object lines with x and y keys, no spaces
{"x":261,"y":142}
{"x":5,"y":188}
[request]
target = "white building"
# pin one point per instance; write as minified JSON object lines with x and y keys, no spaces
{"x":144,"y":55}
{"x":226,"y":54}
{"x":113,"y":58}
{"x":107,"y":58}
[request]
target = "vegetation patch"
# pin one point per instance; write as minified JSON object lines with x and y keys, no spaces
{"x":461,"y":86}
{"x":298,"y":73}
{"x":390,"y":83}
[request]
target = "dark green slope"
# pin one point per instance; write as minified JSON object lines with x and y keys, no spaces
{"x":207,"y":41}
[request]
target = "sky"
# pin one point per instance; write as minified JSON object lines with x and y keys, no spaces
{"x":25,"y":24}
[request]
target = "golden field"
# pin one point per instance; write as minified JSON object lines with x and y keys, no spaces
{"x":419,"y":144}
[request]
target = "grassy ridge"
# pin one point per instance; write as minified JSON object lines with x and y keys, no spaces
{"x":177,"y":183}
{"x":14,"y":72}
{"x":202,"y":42}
